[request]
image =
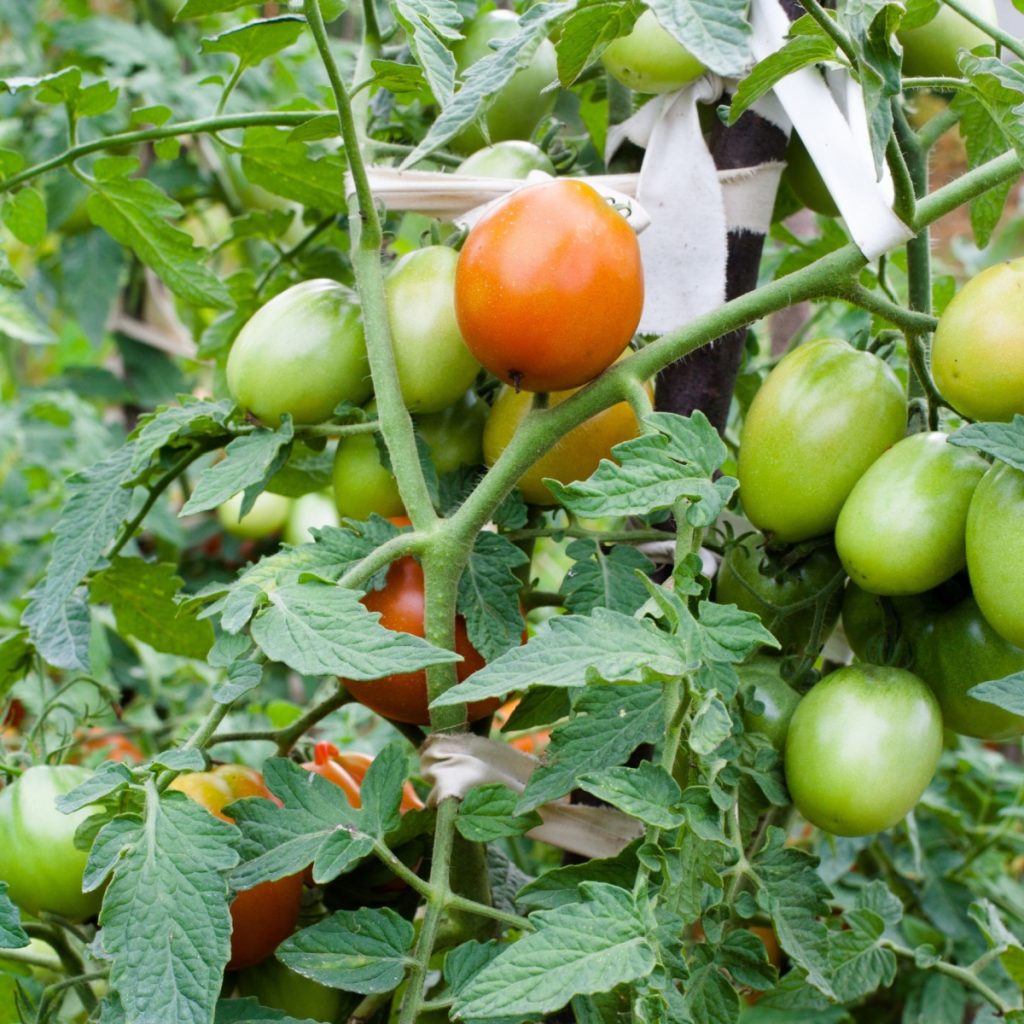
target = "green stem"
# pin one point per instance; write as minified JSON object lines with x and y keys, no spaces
{"x":1013,"y":44}
{"x":900,"y":316}
{"x":289,"y":254}
{"x":236,"y":76}
{"x":600,"y":536}
{"x":961,"y":974}
{"x":385,"y":554}
{"x":831,"y":28}
{"x":936,"y":127}
{"x":938,"y":83}
{"x":201,"y":126}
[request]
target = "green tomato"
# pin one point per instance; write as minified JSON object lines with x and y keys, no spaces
{"x":901,"y":530}
{"x":995,"y":550}
{"x":303,"y":353}
{"x":38,"y":857}
{"x":781,"y":589}
{"x":822,"y":416}
{"x":862,"y":747}
{"x":310,"y":512}
{"x":804,"y":178}
{"x":513,"y":158}
{"x":874,"y":626}
{"x":266,"y":518}
{"x":434,"y":366}
{"x":363,"y":486}
{"x":978,"y":349}
{"x":931,"y":48}
{"x":761,"y":679}
{"x":522,"y":103}
{"x":280,"y":988}
{"x":649,"y":59}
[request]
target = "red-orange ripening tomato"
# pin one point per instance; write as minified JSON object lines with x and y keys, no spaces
{"x":549,"y":286}
{"x":114,"y":746}
{"x":403,"y":697}
{"x":264,"y":916}
{"x":347,"y":769}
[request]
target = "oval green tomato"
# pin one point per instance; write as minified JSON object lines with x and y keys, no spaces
{"x":280,"y":988}
{"x":513,"y":158}
{"x":522,"y":101}
{"x":875,"y":627}
{"x":978,"y":348}
{"x":761,"y":679}
{"x":955,"y":649}
{"x":822,"y":416}
{"x":649,"y":59}
{"x":310,"y":512}
{"x":931,"y":49}
{"x":782,"y":589}
{"x":806,"y":181}
{"x":434,"y":366}
{"x":862,"y":747}
{"x":303,"y":353}
{"x":901,"y":530}
{"x":266,"y":517}
{"x":995,"y":550}
{"x":38,"y":857}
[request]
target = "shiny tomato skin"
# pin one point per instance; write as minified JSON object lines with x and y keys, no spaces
{"x":549,"y":286}
{"x":574,"y":456}
{"x":901,"y":530}
{"x":777,"y":587}
{"x":513,"y":158}
{"x":403,"y":697}
{"x":264,"y":916}
{"x":649,"y":59}
{"x":995,"y":550}
{"x":931,"y":49}
{"x":978,"y":348}
{"x":821,"y":417}
{"x":434,"y":366}
{"x":303,"y":353}
{"x":266,"y":518}
{"x":524,"y":100}
{"x":38,"y":857}
{"x":862,"y":747}
{"x":310,"y":512}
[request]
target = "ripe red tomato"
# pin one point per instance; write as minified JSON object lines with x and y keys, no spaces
{"x":549,"y":286}
{"x":264,"y":916}
{"x":403,"y":697}
{"x":347,"y":769}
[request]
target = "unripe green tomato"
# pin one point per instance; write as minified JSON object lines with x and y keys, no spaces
{"x":901,"y":530}
{"x":862,"y":747}
{"x":455,"y":434}
{"x":513,"y":158}
{"x":762,"y":678}
{"x":931,"y":49}
{"x":823,"y":415}
{"x":781,"y":592}
{"x":995,"y":550}
{"x":303,"y":353}
{"x":266,"y":517}
{"x":434,"y":366}
{"x":310,"y":512}
{"x":649,"y":59}
{"x":522,"y":102}
{"x":876,"y":627}
{"x":280,"y":988}
{"x":38,"y":857}
{"x":978,"y":348}
{"x":804,"y":178}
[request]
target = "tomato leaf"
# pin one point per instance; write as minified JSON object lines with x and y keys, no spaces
{"x":575,"y":650}
{"x":430,"y":28}
{"x":358,"y":950}
{"x":716,"y":32}
{"x":287,"y":169}
{"x":8,"y":278}
{"x":142,"y":595}
{"x":1006,"y":693}
{"x":586,"y":33}
{"x":239,"y":1010}
{"x":648,"y":793}
{"x":24,"y":213}
{"x":580,"y":948}
{"x":57,"y":618}
{"x":489,"y":595}
{"x":1003,"y":441}
{"x":605,"y":579}
{"x":20,"y":322}
{"x":177,"y":425}
{"x":608,"y":723}
{"x":560,"y":886}
{"x":489,"y":812}
{"x":255,"y":41}
{"x":12,"y":935}
{"x":166,"y":927}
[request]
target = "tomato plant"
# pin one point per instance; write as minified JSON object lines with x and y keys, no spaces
{"x":649,"y":59}
{"x":995,"y":550}
{"x":280,"y":988}
{"x":261,"y":917}
{"x":513,"y":158}
{"x":932,"y":48}
{"x":312,"y":511}
{"x":266,"y":518}
{"x":549,"y":287}
{"x":902,"y":528}
{"x":862,"y":747}
{"x":823,"y":415}
{"x":761,"y":679}
{"x":805,"y":179}
{"x":434,"y":366}
{"x":38,"y":858}
{"x":976,"y":356}
{"x":347,"y":769}
{"x":301,"y":355}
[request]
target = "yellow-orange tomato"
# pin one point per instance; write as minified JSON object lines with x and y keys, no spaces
{"x":264,"y":916}
{"x":549,"y":286}
{"x":347,"y":769}
{"x":574,"y":457}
